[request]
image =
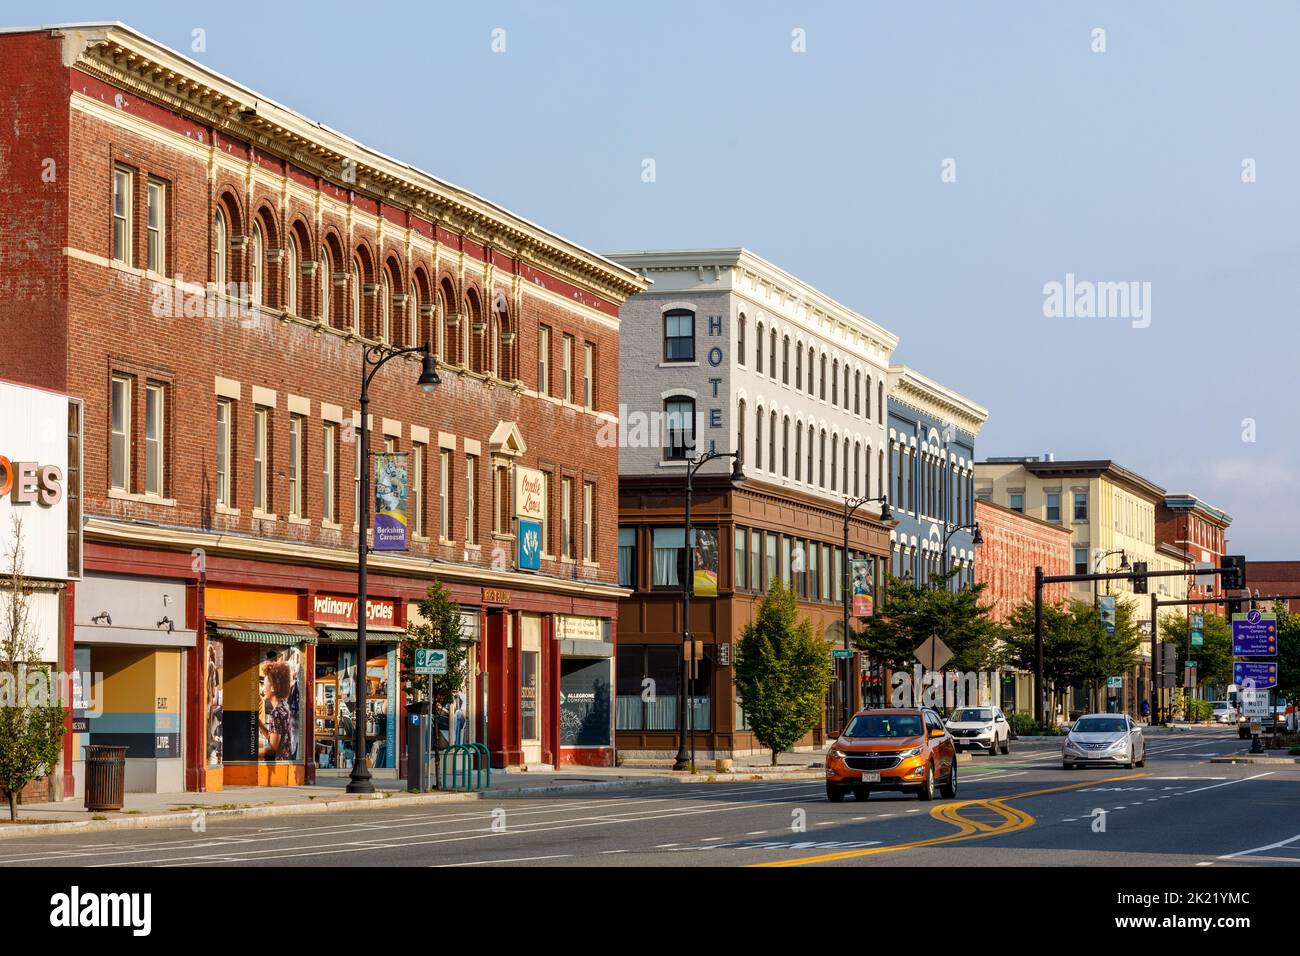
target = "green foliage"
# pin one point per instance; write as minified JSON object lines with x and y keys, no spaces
{"x":912,"y":613}
{"x":1213,"y":658}
{"x":31,"y":720}
{"x":1288,"y":653}
{"x":440,"y":628}
{"x":783,"y":671}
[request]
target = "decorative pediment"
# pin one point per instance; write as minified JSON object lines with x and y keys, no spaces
{"x":506,"y":440}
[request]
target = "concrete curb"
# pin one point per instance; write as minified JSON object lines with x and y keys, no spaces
{"x":154,"y":821}
{"x":1256,"y":759}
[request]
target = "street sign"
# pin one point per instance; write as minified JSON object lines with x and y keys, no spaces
{"x":1107,"y":603}
{"x":933,"y":653}
{"x":1254,"y":704}
{"x":1204,"y":580}
{"x":1114,"y":682}
{"x":841,"y":652}
{"x":430,"y":660}
{"x":1254,"y":634}
{"x":1189,"y":674}
{"x":1198,"y":639}
{"x":724,"y":655}
{"x":1262,"y":674}
{"x":1198,"y":621}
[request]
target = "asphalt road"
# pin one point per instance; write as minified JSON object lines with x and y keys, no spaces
{"x":1022,"y":809}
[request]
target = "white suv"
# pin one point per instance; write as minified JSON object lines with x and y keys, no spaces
{"x":980,"y":728}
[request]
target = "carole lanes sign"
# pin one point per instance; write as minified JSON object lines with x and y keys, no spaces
{"x":530,"y":494}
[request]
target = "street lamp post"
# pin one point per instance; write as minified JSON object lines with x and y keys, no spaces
{"x":374,"y":358}
{"x":1098,"y":561}
{"x":976,"y":540}
{"x":850,"y":506}
{"x":685,"y":759}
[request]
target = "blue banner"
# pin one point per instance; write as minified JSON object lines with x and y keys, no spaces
{"x":1254,"y":634}
{"x":529,"y":545}
{"x":1262,"y":675}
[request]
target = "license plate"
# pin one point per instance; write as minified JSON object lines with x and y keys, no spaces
{"x":871,"y":776}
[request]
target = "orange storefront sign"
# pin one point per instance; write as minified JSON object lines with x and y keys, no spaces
{"x":251,"y":605}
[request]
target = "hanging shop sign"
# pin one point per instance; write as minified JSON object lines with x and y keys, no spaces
{"x":528,"y":555}
{"x":390,"y":522}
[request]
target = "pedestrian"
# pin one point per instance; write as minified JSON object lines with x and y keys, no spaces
{"x":1146,"y":711}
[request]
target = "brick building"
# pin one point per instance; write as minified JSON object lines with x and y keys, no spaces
{"x":1015,"y":544}
{"x":205,"y":268}
{"x":1198,"y":530}
{"x":1275,"y":577}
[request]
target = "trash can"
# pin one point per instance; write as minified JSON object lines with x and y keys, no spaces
{"x":105,"y":777}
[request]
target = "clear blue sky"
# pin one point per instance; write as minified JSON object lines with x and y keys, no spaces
{"x":1115,"y":166}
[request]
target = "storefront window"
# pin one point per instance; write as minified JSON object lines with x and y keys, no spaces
{"x":336,"y":701}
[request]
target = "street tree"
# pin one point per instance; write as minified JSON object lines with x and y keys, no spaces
{"x":783,"y":671}
{"x":439,"y":628}
{"x":1213,"y":658}
{"x":31,"y":713}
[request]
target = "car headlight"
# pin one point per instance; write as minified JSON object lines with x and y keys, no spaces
{"x":988,"y":729}
{"x":1120,"y":744}
{"x":1072,"y":746}
{"x":909,"y":753}
{"x":836,"y":754}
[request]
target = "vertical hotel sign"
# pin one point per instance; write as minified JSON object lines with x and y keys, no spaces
{"x":390,"y":501}
{"x":530,"y":510}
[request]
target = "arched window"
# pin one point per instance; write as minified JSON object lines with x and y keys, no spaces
{"x":740,"y":427}
{"x":811,"y":372}
{"x":857,"y":392}
{"x":355,"y":313}
{"x":220,"y":242}
{"x":325,"y":269}
{"x":771,"y":443}
{"x":845,"y":485}
{"x":385,"y":308}
{"x":798,"y":365}
{"x":880,"y":471}
{"x":758,"y":438}
{"x":857,"y":470}
{"x":413,"y":316}
{"x":835,"y":382}
{"x":846,"y":386}
{"x":258,"y":272}
{"x":291,"y":276}
{"x":823,"y":378}
{"x":811,"y":432}
{"x":785,"y":447}
{"x":771,"y":371}
{"x":798,"y":451}
{"x":835,"y":448}
{"x":758,"y":350}
{"x":785,"y":361}
{"x":821,"y":459}
{"x":868,"y":409}
{"x":880,"y":401}
{"x":740,"y":340}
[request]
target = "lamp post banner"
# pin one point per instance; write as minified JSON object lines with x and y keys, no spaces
{"x":863,"y":585}
{"x":390,"y":501}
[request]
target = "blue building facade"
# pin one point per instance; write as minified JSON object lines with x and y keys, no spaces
{"x":931,"y":432}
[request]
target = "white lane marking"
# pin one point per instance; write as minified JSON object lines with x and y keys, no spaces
{"x":1266,"y":773}
{"x":913,"y":811}
{"x":607,"y":852}
{"x":1259,"y":849}
{"x":1070,"y":820}
{"x":828,"y":823}
{"x":1206,"y":863}
{"x":665,"y":846}
{"x":518,"y":859}
{"x":710,"y":839}
{"x":758,"y":832}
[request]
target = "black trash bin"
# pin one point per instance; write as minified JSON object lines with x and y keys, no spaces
{"x":105,"y":777}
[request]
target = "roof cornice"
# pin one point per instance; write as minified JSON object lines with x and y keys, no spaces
{"x":924,"y":393}
{"x":129,"y":60}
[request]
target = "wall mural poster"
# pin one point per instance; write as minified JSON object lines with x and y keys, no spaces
{"x":213,"y":702}
{"x":706,"y":562}
{"x":279,"y":726}
{"x":390,"y":502}
{"x":585,"y":702}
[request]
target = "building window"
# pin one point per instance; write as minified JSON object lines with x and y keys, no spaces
{"x":813,"y":580}
{"x":821,"y":460}
{"x":835,"y":382}
{"x":822,"y":387}
{"x":627,"y":557}
{"x":224,"y":417}
{"x":444,"y":495}
{"x":867,"y":410}
{"x":385,"y":307}
{"x":668,"y":545}
{"x":261,"y":422}
{"x":810,"y":455}
{"x":566,"y":518}
{"x":755,"y":560}
{"x":1016,"y":502}
{"x":325,"y":267}
{"x":1080,"y":560}
{"x":740,"y":341}
{"x":771,"y":372}
{"x":835,"y":447}
{"x":785,"y":447}
{"x":770,"y":570}
{"x":812,"y":365}
{"x":880,"y":402}
{"x":417,"y":487}
{"x":785,"y":360}
{"x":739,"y":561}
{"x":588,"y":376}
{"x":291,"y":268}
{"x":758,"y":350}
{"x":758,"y":439}
{"x":471,"y":485}
{"x":1080,"y":506}
{"x":771,"y":443}
{"x":857,"y":392}
{"x":157,"y":227}
{"x":120,"y":434}
{"x":679,"y":336}
{"x":259,"y":273}
{"x":740,"y":427}
{"x":355,"y":303}
{"x":123,"y":194}
{"x":566,"y":368}
{"x":798,"y":365}
{"x":221,"y":243}
{"x":297,"y":493}
{"x":544,"y":361}
{"x":679,"y":415}
{"x":1053,"y":506}
{"x":328,"y":471}
{"x":589,"y":522}
{"x":155,"y":423}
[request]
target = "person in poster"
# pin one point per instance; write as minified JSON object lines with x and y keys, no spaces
{"x":862,"y":589}
{"x":279,"y":731}
{"x":706,"y":562}
{"x":214,"y":702}
{"x":390,"y":502}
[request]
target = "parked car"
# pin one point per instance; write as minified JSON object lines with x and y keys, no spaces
{"x":980,"y":728}
{"x":904,"y":749}
{"x":1104,"y":739}
{"x":1224,"y":712}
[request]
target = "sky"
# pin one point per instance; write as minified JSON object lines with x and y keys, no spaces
{"x":933,"y":165}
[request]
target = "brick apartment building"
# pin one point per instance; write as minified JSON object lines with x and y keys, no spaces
{"x":204,"y":268}
{"x":1198,"y":530}
{"x":1275,"y":577}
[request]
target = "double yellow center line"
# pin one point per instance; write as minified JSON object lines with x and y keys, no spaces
{"x":966,"y":816}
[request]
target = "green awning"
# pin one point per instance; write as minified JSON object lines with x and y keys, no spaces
{"x":337,"y":635}
{"x":281,"y":633}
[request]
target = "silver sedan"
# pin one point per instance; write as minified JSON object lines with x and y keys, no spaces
{"x":1109,"y":739}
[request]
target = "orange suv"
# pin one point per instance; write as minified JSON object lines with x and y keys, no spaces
{"x":904,"y":748}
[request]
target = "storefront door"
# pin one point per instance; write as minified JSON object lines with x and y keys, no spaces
{"x":530,"y":698}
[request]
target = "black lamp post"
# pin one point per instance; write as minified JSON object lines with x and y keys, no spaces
{"x":374,"y":358}
{"x":976,"y":540}
{"x":684,"y":758}
{"x":850,"y":506}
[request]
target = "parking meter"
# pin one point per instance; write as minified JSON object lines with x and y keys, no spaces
{"x":419,"y":742}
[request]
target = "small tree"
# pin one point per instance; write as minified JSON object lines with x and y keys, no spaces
{"x":31,"y":715}
{"x":439,"y":629}
{"x":782,"y":672}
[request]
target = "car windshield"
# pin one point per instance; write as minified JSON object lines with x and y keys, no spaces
{"x":885,"y":725}
{"x":972,"y":715}
{"x":1101,"y":725}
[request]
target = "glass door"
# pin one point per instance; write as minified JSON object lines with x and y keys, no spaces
{"x":529,"y":719}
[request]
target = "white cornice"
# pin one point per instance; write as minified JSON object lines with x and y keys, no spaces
{"x":927,"y":395}
{"x":135,"y":63}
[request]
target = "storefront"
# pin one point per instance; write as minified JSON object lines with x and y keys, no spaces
{"x":334,"y":693}
{"x":259,"y":654}
{"x":132,"y":639}
{"x":586,"y":652}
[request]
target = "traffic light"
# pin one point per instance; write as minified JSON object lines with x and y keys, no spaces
{"x":1233,"y":577}
{"x":1168,"y":664}
{"x":1140,"y":583}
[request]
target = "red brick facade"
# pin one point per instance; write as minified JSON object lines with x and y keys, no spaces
{"x":1014,"y":544}
{"x":474,"y":281}
{"x":1275,"y":577}
{"x":1200,"y":533}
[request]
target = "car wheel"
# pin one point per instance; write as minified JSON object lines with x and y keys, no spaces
{"x":949,"y":788}
{"x":1066,"y":766}
{"x":862,"y":794}
{"x":1143,"y":761}
{"x":834,"y":794}
{"x":1006,"y":745}
{"x":1131,"y":764}
{"x":927,"y":785}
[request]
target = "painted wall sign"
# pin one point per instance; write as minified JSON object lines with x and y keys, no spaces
{"x":339,"y":609}
{"x":569,"y":628}
{"x":496,"y":596}
{"x":530,"y":493}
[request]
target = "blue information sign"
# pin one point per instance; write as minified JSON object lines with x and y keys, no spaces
{"x":1254,"y":634}
{"x":1262,"y":674}
{"x":529,"y":556}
